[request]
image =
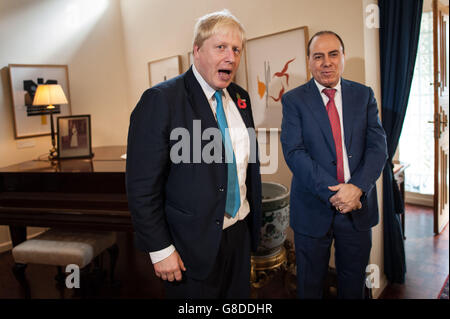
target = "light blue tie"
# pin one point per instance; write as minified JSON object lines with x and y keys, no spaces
{"x":233,"y":196}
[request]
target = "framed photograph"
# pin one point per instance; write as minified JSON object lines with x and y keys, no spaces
{"x":74,"y":136}
{"x":275,"y":64}
{"x":164,"y":69}
{"x":24,"y":79}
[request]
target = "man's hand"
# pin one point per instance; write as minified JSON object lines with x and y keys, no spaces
{"x":347,"y":197}
{"x":170,"y":268}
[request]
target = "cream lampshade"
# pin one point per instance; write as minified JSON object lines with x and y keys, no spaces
{"x":50,"y":94}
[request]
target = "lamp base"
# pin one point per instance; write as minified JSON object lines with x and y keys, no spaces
{"x":53,"y":154}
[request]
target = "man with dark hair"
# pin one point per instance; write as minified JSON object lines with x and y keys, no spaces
{"x":322,"y":33}
{"x":335,"y":146}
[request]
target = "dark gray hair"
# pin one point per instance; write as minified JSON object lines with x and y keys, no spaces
{"x":322,"y":33}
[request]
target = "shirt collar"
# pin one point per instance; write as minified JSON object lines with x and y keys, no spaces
{"x":337,"y":87}
{"x":207,"y":89}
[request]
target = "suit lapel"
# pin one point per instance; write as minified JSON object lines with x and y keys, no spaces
{"x":349,"y":110}
{"x":244,"y":112}
{"x":315,"y":103}
{"x":198,"y":101}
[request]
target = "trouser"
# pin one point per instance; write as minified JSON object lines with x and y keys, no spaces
{"x":352,"y":251}
{"x":230,"y":276}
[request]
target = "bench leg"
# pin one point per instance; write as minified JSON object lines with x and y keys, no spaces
{"x":60,"y":276}
{"x":113,"y":254}
{"x":85,"y":290}
{"x":19,"y":272}
{"x":60,"y":281}
{"x":18,"y":234}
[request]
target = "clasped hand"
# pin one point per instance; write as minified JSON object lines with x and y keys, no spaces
{"x":347,"y":197}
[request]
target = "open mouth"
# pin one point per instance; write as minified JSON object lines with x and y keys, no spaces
{"x":225,"y":75}
{"x":225,"y":71}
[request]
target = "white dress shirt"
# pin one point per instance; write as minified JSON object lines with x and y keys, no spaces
{"x":241,"y":147}
{"x":338,"y":103}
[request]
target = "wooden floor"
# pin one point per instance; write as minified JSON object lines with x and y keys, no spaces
{"x":427,"y":268}
{"x":427,"y":257}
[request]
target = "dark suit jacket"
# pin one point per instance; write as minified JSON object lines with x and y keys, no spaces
{"x":310,"y":153}
{"x":182,"y":204}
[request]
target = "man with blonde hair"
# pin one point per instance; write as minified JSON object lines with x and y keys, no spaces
{"x":198,"y":219}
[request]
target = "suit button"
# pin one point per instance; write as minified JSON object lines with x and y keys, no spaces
{"x":334,"y":163}
{"x":217,"y":222}
{"x":221,"y":189}
{"x":350,"y":156}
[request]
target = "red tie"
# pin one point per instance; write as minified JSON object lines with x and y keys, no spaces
{"x":333,"y":115}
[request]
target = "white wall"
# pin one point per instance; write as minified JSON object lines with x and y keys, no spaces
{"x":150,"y":34}
{"x":87,"y":36}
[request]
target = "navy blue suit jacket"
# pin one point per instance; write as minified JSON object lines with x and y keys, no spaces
{"x":182,"y":203}
{"x":310,"y":153}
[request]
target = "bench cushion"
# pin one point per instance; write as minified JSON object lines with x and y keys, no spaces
{"x":63,"y":247}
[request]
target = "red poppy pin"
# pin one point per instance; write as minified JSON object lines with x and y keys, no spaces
{"x":241,"y":102}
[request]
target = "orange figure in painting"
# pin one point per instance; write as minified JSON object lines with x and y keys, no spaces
{"x":283,"y":72}
{"x":261,"y":88}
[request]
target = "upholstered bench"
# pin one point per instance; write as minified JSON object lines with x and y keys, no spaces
{"x":61,"y":248}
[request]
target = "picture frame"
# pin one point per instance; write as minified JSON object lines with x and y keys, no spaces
{"x":190,"y":58}
{"x":24,"y":79}
{"x":240,"y":78}
{"x":275,"y":63}
{"x":74,"y":136}
{"x":164,"y":69}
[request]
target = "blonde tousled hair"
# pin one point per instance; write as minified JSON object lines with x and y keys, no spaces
{"x":209,"y":24}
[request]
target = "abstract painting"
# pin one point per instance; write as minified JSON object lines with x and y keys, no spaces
{"x":32,"y":120}
{"x":275,"y":63}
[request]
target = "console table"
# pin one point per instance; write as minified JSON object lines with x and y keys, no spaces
{"x":70,"y":193}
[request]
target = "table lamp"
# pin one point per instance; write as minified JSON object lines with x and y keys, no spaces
{"x":50,"y":94}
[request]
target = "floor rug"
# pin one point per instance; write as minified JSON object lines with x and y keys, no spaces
{"x":444,"y":291}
